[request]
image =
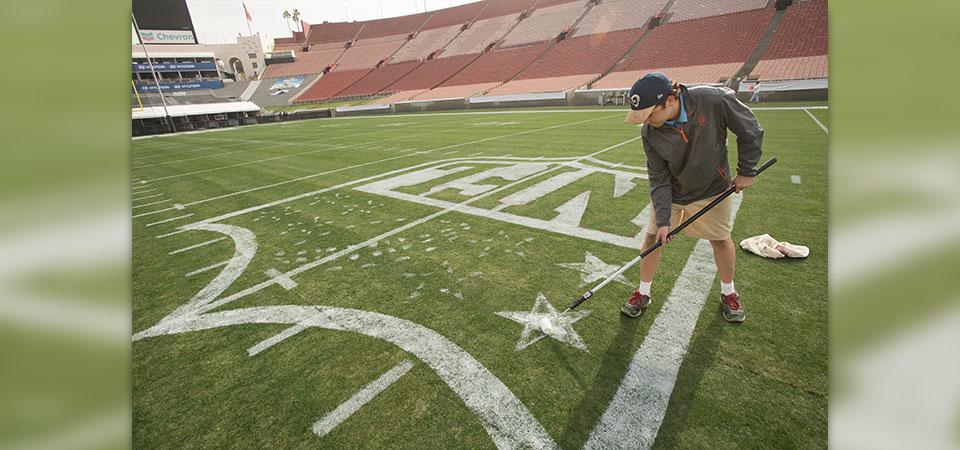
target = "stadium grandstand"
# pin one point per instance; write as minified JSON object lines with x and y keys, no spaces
{"x":506,"y":48}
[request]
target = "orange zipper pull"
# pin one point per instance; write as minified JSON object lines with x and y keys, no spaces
{"x":684,"y":136}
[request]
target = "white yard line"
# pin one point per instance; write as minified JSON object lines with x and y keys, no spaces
{"x":154,"y":212}
{"x":820,"y":124}
{"x":347,"y":408}
{"x":205,"y":269}
{"x":145,"y":197}
{"x":276,"y":339}
{"x":161,"y":236}
{"x":188,"y":159}
{"x":275,"y":158}
{"x":150,"y":204}
{"x":633,"y":417}
{"x":336,"y":147}
{"x":186,"y":249}
{"x":169,"y":220}
{"x":399,"y":116}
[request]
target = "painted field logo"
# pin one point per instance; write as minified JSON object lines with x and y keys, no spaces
{"x":540,"y":179}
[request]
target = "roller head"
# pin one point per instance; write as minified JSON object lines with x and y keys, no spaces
{"x":545,"y":326}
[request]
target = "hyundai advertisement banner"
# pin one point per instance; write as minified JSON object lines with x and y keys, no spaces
{"x":181,"y":86}
{"x":175,"y":67}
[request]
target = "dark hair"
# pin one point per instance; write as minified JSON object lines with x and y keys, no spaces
{"x":675,"y":93}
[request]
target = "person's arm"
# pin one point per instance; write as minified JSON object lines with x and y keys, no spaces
{"x":661,"y":194}
{"x":743,"y":123}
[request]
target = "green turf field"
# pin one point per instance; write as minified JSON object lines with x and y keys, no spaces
{"x":336,"y":283}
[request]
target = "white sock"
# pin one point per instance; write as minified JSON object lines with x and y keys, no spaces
{"x":727,"y":288}
{"x":645,"y":287}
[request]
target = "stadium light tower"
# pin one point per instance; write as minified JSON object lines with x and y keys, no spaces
{"x":156,"y":80}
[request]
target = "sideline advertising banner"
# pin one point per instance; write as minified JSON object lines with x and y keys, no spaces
{"x":181,"y":86}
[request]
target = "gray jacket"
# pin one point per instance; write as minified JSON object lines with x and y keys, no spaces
{"x":690,"y":163}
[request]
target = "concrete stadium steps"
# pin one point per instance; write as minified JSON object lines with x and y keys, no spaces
{"x":309,"y":62}
{"x":698,"y":9}
{"x":332,"y":84}
{"x":591,"y":54}
{"x":231,"y":89}
{"x":481,"y":34}
{"x":708,"y":73}
{"x":380,"y":78}
{"x":615,"y":15}
{"x":365,"y":54}
{"x":425,"y":43}
{"x":722,"y":39}
{"x":530,"y":86}
{"x":392,"y":26}
{"x":545,"y":23}
{"x":248,"y":92}
{"x":433,"y":72}
{"x":791,"y":68}
{"x":455,"y":16}
{"x":497,"y":65}
{"x":333,"y":32}
{"x":460,"y":91}
{"x":801,"y":39}
{"x":399,"y":96}
{"x":497,"y":8}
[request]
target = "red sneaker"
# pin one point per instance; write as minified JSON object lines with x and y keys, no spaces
{"x":635,"y":306}
{"x":731,"y":308}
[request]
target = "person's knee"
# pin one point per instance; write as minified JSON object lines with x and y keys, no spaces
{"x":722,"y":243}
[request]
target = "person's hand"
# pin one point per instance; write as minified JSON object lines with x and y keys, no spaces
{"x":663,"y":235}
{"x":741,"y":182}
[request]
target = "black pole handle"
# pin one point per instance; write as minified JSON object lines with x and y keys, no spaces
{"x":680,"y":228}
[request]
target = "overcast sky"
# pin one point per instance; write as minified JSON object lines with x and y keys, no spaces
{"x":219,"y":21}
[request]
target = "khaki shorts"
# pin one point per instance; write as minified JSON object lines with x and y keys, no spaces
{"x":715,"y":225}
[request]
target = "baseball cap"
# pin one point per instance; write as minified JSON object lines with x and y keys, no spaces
{"x":645,"y":94}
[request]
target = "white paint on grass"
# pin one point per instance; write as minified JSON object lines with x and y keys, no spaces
{"x":525,"y":196}
{"x":281,"y":279}
{"x":151,"y":204}
{"x":795,"y":179}
{"x":276,"y":339}
{"x":623,"y":184}
{"x":169,"y":220}
{"x":633,"y":417}
{"x":186,"y":249}
{"x":347,"y":408}
{"x":145,"y":197}
{"x":562,"y":324}
{"x":819,"y":124}
{"x":206,"y":269}
{"x":505,"y":418}
{"x":469,"y":187}
{"x":593,"y":269}
{"x":571,"y":212}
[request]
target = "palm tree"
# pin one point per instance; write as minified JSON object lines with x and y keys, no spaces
{"x":296,"y":18}
{"x":287,"y":15}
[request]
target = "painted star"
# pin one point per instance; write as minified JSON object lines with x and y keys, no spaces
{"x":562,"y":324}
{"x":593,"y":269}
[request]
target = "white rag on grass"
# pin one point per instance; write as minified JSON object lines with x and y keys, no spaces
{"x":768,"y":247}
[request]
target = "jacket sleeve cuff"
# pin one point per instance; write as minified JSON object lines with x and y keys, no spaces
{"x":746,"y":173}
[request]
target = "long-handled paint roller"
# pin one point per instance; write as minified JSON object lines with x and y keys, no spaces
{"x":547,"y":327}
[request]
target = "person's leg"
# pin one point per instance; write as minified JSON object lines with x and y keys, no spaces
{"x":725,"y":255}
{"x":649,"y":264}
{"x":640,"y":299}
